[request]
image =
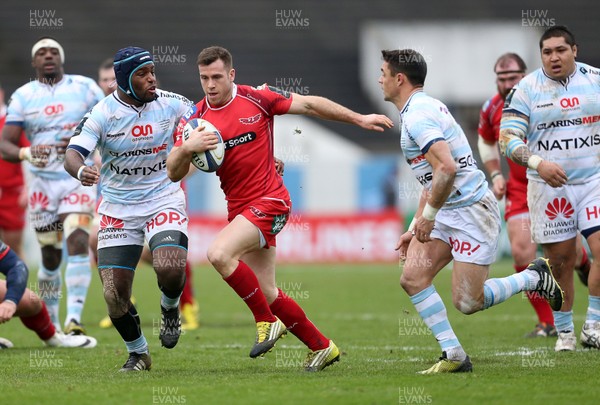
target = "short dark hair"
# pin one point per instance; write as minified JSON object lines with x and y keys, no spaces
{"x":106,"y":64}
{"x":408,"y":62}
{"x":213,"y":53}
{"x":558,"y":31}
{"x":504,"y":59}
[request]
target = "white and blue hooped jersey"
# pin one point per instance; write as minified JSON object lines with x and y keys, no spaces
{"x":48,"y":113}
{"x":424,"y":121}
{"x":564,"y":120}
{"x":134,"y":143}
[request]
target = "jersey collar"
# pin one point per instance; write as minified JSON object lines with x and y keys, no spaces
{"x":420,"y":90}
{"x":233,"y":95}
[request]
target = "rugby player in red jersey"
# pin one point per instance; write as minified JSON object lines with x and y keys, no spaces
{"x":13,"y":195}
{"x":510,"y":69}
{"x":16,"y":300}
{"x":257,"y":200}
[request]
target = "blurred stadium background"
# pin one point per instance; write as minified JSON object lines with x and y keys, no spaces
{"x":351,"y":189}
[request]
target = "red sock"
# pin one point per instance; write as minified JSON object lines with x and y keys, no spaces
{"x":245,"y":284}
{"x":539,"y":304}
{"x":294,"y":318}
{"x":187,"y":296}
{"x":40,"y":323}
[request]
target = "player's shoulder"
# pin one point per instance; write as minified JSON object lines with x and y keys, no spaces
{"x":589,"y":72}
{"x":533,"y":80}
{"x":264,"y":91}
{"x":492,"y":102}
{"x":26,"y":89}
{"x":421,"y":104}
{"x":106,"y":107}
{"x":169,"y":97}
{"x":79,"y":80}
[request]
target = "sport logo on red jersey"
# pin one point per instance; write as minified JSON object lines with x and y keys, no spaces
{"x":110,"y":222}
{"x":251,"y":120}
{"x":559,"y":206}
{"x":38,"y":200}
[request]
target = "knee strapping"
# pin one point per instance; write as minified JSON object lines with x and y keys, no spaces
{"x":77,"y":221}
{"x":50,"y":238}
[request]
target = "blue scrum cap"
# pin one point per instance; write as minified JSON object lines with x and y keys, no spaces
{"x":127,"y":61}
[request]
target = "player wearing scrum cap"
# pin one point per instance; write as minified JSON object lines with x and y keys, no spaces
{"x":48,"y":109}
{"x":133,"y":128}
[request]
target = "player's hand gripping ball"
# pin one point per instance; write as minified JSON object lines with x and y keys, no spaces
{"x":212,"y":159}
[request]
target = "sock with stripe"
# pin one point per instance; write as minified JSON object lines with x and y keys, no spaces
{"x":130,"y":330}
{"x":497,"y":290}
{"x":539,"y":304}
{"x":432,"y":310}
{"x":593,"y":311}
{"x":78,"y":275}
{"x":49,"y":289}
{"x":563,"y":321}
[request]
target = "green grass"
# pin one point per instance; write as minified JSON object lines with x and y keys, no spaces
{"x":361,"y":307}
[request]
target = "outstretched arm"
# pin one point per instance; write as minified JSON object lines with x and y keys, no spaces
{"x":326,"y":109}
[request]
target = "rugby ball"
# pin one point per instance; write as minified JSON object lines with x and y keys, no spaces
{"x":210,"y":160}
{"x":5,"y":343}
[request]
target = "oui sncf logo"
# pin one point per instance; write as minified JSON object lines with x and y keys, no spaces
{"x":559,"y":207}
{"x":54,"y":109}
{"x":569,"y":102}
{"x":142,"y":133}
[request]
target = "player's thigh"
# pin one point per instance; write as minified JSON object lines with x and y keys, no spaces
{"x":423,"y":262}
{"x":262,"y":262}
{"x":522,"y":247}
{"x":593,"y":241}
{"x":467,"y":286}
{"x":238,"y":237}
{"x":553,"y":212}
{"x":14,"y":239}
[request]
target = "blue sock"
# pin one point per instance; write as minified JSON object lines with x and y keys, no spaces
{"x":497,"y":290}
{"x":593,"y":311}
{"x":140,"y":345}
{"x":49,"y":289}
{"x":563,"y":321}
{"x":77,"y":278}
{"x":169,"y":303}
{"x":430,"y":307}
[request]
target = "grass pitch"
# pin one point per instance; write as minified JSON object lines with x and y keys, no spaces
{"x":361,"y":307}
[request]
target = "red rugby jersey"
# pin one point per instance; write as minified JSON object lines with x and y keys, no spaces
{"x":12,"y":174}
{"x":246,"y":125}
{"x":489,"y":130}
